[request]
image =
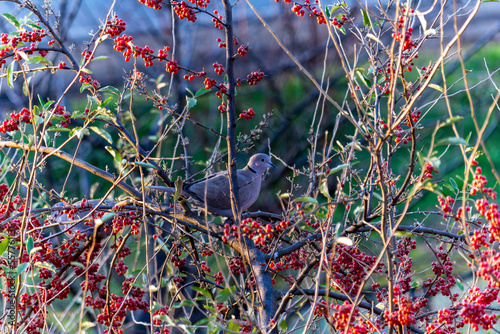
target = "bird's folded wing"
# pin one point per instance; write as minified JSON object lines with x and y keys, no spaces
{"x":214,"y":191}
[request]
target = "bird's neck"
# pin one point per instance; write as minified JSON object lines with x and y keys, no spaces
{"x":252,"y":170}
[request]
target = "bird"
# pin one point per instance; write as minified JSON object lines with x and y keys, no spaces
{"x":213,"y":193}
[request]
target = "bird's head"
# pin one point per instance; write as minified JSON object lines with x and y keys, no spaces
{"x":259,"y":163}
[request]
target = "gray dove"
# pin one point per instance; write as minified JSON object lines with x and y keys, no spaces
{"x":212,"y":193}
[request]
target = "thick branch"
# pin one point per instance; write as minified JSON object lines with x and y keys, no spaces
{"x":231,"y":112}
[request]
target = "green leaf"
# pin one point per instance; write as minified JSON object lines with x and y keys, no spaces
{"x":23,"y":55}
{"x":34,"y":26}
{"x":79,"y":132}
{"x":111,"y":90}
{"x":366,"y":18}
{"x":490,"y":0}
{"x":468,"y":137}
{"x":100,"y":58}
{"x":143,"y":164}
{"x":421,"y":158}
{"x":459,"y":284}
{"x":201,"y":322}
{"x":323,"y":188}
{"x":225,"y":294}
{"x":46,"y":265}
{"x":26,"y":85}
{"x":201,"y":91}
{"x":85,"y":85}
{"x":452,"y":141}
{"x":29,"y":244}
{"x":105,"y":102}
{"x":3,"y":245}
{"x":233,"y":326}
{"x":436,"y":87}
{"x":178,"y":188}
{"x":191,"y":102}
{"x":58,"y":129}
{"x":283,"y":325}
{"x":306,"y":199}
{"x":449,"y":187}
{"x":40,"y":99}
{"x":327,"y":12}
{"x":10,"y":75}
{"x":337,"y":168}
{"x":451,"y":120}
{"x":333,"y":9}
{"x":48,"y":104}
{"x":116,"y":155}
{"x":183,"y":303}
{"x":435,"y":162}
{"x":12,"y":20}
{"x":38,"y":120}
{"x":102,"y":133}
{"x":79,"y":114}
{"x":360,"y":73}
{"x":202,"y":291}
{"x":78,"y":264}
{"x":22,"y":268}
{"x":453,"y":184}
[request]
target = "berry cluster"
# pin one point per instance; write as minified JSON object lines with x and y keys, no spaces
{"x":247,"y":114}
{"x":86,"y":78}
{"x":178,"y":281}
{"x":345,"y":318}
{"x":155,"y":4}
{"x":405,"y":309}
{"x":184,"y":11}
{"x":23,"y":36}
{"x":254,"y":77}
{"x":178,"y":262}
{"x":24,"y":116}
{"x":300,"y":10}
{"x":124,"y":44}
{"x":242,"y":50}
{"x":444,"y":279}
{"x":12,"y":41}
{"x":218,"y":68}
{"x":474,"y":309}
{"x":446,"y":205}
{"x":62,"y":112}
{"x":348,"y":266}
{"x":237,"y":266}
{"x":429,"y":169}
{"x":296,"y":260}
{"x":172,"y":67}
{"x":204,"y":267}
{"x":88,"y":55}
{"x":8,"y":125}
{"x":254,"y":230}
{"x":479,"y":183}
{"x":218,"y":21}
{"x":219,"y":279}
{"x":339,"y":23}
{"x":115,"y":26}
{"x":159,"y":313}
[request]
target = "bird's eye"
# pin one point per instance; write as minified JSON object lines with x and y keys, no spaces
{"x":262,"y":159}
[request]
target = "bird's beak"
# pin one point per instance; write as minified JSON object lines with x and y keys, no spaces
{"x":272,"y":165}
